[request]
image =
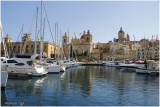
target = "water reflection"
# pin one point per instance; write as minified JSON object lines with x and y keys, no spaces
{"x":86,"y":85}
{"x":3,"y":97}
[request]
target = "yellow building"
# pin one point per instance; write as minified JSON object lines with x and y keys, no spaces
{"x":27,"y":47}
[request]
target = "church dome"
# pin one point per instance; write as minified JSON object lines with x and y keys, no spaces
{"x":121,"y":31}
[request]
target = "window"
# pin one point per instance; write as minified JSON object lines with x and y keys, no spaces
{"x":30,"y":63}
{"x":10,"y":61}
{"x":18,"y":49}
{"x":64,"y":40}
{"x":138,"y":49}
{"x":32,"y":49}
{"x":38,"y":51}
{"x":26,"y":48}
{"x":49,"y":61}
{"x":20,"y":64}
{"x":14,"y":49}
{"x":87,"y":39}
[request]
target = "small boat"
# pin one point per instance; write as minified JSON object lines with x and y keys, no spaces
{"x":150,"y":67}
{"x":113,"y":64}
{"x":54,"y":62}
{"x":67,"y":63}
{"x":48,"y":65}
{"x":74,"y":63}
{"x":50,"y":68}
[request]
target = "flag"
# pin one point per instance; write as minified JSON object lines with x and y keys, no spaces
{"x":127,"y":38}
{"x":156,"y":36}
{"x":80,"y":34}
{"x":74,"y":33}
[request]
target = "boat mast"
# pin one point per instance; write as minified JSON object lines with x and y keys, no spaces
{"x":114,"y":50}
{"x":134,"y":48}
{"x":72,"y":49}
{"x":145,"y":46}
{"x":152,"y":48}
{"x":41,"y":35}
{"x":55,"y":44}
{"x":35,"y":45}
{"x":4,"y":45}
{"x":61,"y":46}
{"x":21,"y":40}
{"x":69,"y":48}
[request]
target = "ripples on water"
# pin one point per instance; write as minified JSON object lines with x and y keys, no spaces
{"x":85,"y":86}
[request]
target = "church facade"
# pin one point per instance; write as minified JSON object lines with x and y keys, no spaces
{"x":78,"y":46}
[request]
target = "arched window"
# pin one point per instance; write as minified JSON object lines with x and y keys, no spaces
{"x":14,"y":49}
{"x":87,"y":39}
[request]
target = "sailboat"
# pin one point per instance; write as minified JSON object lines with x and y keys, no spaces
{"x":49,"y":67}
{"x":4,"y":71}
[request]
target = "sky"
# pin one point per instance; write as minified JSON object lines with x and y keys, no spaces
{"x":102,"y":18}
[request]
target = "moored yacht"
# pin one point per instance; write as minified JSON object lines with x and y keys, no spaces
{"x":49,"y":66}
{"x":24,"y":65}
{"x":150,"y":67}
{"x":113,"y":64}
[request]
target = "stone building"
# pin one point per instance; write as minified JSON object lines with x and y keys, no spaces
{"x":123,"y":48}
{"x":78,"y":46}
{"x":27,"y":47}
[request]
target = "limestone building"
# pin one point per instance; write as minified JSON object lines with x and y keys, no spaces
{"x":123,"y":48}
{"x":78,"y":45}
{"x":27,"y":47}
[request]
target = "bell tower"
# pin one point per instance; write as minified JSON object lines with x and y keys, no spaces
{"x":65,"y":44}
{"x":88,"y":37}
{"x":8,"y":39}
{"x":65,"y":39}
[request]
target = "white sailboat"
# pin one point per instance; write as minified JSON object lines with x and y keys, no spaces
{"x":4,"y":72}
{"x":48,"y":67}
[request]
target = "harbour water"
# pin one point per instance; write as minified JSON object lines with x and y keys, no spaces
{"x":84,"y":86}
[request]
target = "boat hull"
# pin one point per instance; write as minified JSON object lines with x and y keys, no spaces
{"x":52,"y":69}
{"x":142,"y":71}
{"x":4,"y":78}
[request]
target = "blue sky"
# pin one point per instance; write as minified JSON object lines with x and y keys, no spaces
{"x":103,"y":19}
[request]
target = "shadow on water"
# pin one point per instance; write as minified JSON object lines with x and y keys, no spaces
{"x":85,"y":86}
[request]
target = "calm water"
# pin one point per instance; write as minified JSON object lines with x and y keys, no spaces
{"x":85,"y":86}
